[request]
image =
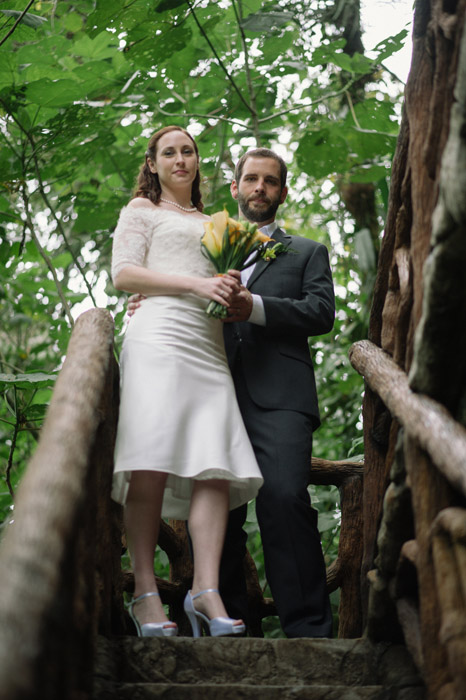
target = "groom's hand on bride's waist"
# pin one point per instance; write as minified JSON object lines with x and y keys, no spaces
{"x":134,"y":302}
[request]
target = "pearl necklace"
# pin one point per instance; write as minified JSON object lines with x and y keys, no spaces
{"x":175,"y":204}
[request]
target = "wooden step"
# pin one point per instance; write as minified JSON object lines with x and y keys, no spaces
{"x":221,"y":691}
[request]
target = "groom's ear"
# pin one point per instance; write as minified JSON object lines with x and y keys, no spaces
{"x":234,"y":189}
{"x":283,"y":194}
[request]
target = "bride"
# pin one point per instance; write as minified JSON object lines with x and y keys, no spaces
{"x":182,"y":450}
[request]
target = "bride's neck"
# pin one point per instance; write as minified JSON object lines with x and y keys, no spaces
{"x":181,"y":196}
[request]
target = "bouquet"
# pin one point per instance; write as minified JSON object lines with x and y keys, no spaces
{"x":233,"y":245}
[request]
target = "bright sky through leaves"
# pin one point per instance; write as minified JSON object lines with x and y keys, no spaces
{"x":383,"y":18}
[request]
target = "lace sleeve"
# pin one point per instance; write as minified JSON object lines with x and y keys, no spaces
{"x":131,"y":239}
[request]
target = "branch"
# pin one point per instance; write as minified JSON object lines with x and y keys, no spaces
{"x":252,"y":94}
{"x":62,"y":231}
{"x":310,"y":104}
{"x":48,"y":204}
{"x":351,"y":106}
{"x":46,"y":259}
{"x":9,"y":465}
{"x":65,"y":238}
{"x":424,"y":420}
{"x":17,"y":22}
{"x":10,"y":459}
{"x":217,"y":170}
{"x":220,"y":62}
{"x":9,"y":144}
{"x":244,"y":125}
{"x":325,"y":471}
{"x":238,"y":122}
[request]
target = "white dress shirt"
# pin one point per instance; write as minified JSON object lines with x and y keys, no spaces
{"x":258,"y":312}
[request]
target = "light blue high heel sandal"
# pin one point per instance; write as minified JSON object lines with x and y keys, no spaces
{"x":150,"y":629}
{"x":218,"y":626}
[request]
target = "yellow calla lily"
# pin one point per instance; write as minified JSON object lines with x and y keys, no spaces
{"x":253,"y":239}
{"x":235,"y":229}
{"x":220,"y":222}
{"x":211,"y":240}
{"x":262,"y":237}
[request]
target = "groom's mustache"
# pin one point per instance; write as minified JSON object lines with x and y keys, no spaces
{"x":260,"y":199}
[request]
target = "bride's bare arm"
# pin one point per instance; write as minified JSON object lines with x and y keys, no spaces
{"x":135,"y":278}
{"x":129,"y":273}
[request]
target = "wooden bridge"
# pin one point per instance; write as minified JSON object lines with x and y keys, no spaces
{"x":61,"y":608}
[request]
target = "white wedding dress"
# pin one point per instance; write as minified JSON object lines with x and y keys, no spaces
{"x":178,"y":410}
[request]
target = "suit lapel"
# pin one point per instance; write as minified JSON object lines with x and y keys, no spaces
{"x":279,"y":236}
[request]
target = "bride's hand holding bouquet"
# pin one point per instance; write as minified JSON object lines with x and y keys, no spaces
{"x":233,"y":245}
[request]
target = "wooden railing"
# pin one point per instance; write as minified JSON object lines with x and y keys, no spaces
{"x":419,"y":578}
{"x":58,"y":564}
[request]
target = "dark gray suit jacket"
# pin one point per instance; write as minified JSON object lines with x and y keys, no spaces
{"x":298,"y":296}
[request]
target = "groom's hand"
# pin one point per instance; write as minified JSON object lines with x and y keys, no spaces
{"x":134,"y":302}
{"x":240,"y":306}
{"x":240,"y":302}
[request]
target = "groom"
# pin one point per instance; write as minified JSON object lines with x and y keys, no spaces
{"x":281,"y":303}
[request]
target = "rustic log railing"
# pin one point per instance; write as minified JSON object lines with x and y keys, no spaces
{"x":58,"y":568}
{"x":427,"y":421}
{"x":419,"y":579}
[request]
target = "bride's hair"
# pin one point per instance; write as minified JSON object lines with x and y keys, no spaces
{"x":148,"y":184}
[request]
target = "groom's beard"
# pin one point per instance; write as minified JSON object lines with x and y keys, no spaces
{"x":259,"y":214}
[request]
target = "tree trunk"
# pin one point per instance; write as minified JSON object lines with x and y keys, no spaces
{"x":399,"y":290}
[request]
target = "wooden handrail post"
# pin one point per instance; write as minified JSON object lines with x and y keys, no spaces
{"x":48,"y":603}
{"x":424,"y":419}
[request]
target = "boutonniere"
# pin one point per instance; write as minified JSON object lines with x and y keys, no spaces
{"x":270,"y":252}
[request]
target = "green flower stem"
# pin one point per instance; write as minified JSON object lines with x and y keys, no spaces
{"x":216,"y":310}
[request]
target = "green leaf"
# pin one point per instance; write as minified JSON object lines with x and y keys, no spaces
{"x":370,"y":172}
{"x":361,"y":64}
{"x":29,"y":20}
{"x":73,"y":22}
{"x":8,"y":70}
{"x":323,"y":152}
{"x":369,"y":144}
{"x":327,"y":521}
{"x":36,"y":412}
{"x":104,"y":45}
{"x":48,"y":50}
{"x":54,"y":93}
{"x":342,"y":60}
{"x":364,"y":248}
{"x":274,"y":48}
{"x":165,"y":5}
{"x":391,"y":45}
{"x":325,"y":53}
{"x":62,"y":260}
{"x":377,"y":115}
{"x":266,"y":21}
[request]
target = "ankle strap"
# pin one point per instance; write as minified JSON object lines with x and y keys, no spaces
{"x":143,"y":595}
{"x":207,"y":590}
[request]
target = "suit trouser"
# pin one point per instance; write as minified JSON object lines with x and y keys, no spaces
{"x":294,"y":563}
